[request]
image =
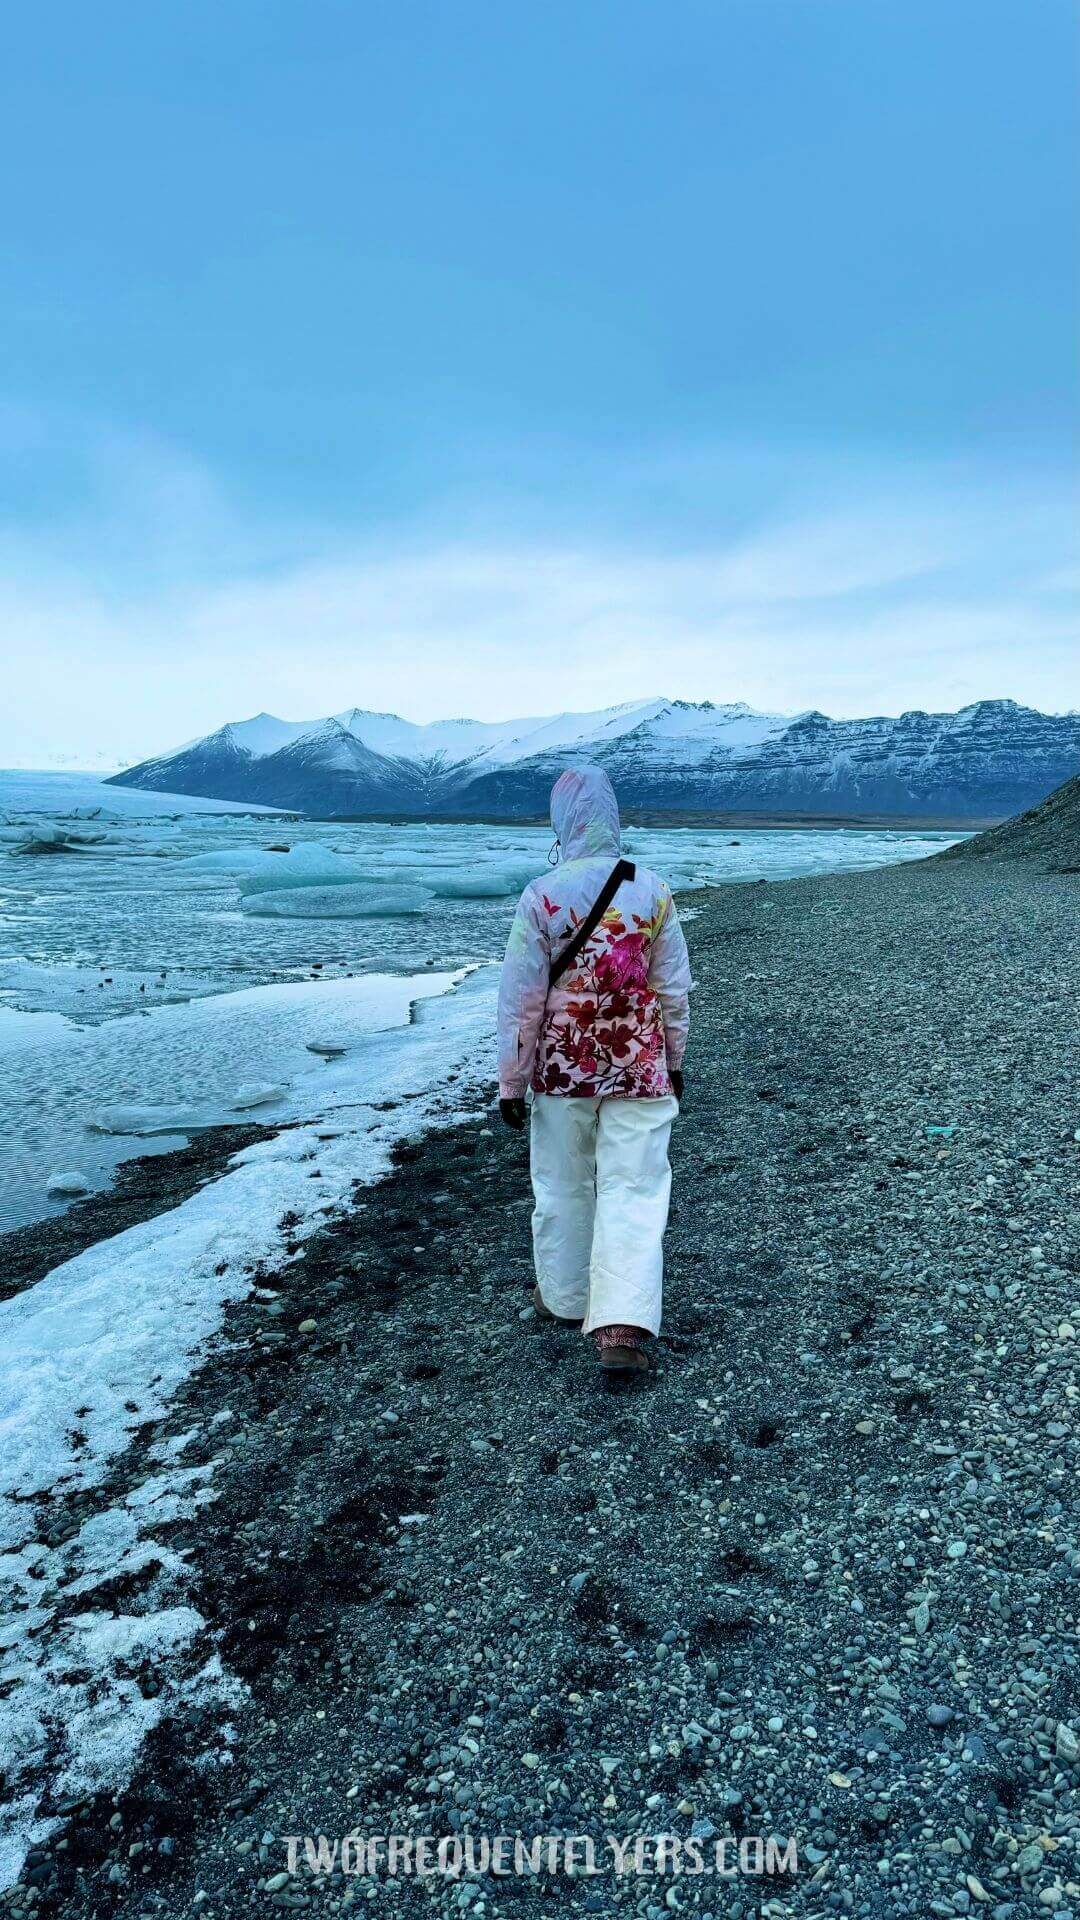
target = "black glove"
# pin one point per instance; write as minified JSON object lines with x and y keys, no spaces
{"x":675,"y":1076}
{"x":513,"y":1113}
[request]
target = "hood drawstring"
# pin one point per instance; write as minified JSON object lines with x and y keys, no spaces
{"x":553,"y":853}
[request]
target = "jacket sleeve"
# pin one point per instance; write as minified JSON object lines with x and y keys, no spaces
{"x":669,"y":976}
{"x":523,"y":989}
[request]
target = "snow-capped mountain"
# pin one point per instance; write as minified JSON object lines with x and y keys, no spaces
{"x":986,"y":761}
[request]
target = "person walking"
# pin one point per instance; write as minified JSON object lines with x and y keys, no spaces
{"x":593,"y":1021}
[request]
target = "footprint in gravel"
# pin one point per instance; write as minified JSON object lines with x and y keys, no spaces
{"x":286,"y":1608}
{"x":601,"y":1603}
{"x":549,"y":1729}
{"x":596,"y":1672}
{"x":739,"y":1563}
{"x":728,"y":1619}
{"x":715,"y":1456}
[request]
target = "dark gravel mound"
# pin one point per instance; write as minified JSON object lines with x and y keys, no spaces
{"x":1050,"y":832}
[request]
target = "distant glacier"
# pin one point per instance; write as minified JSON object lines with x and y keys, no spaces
{"x":980,"y":764}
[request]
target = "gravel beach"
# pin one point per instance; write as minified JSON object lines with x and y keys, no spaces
{"x":815,"y":1578}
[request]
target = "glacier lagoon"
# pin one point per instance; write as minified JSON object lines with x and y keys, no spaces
{"x":149,"y":970}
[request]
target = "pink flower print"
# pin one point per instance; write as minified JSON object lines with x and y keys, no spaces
{"x":581,"y":1050}
{"x":623,"y":965}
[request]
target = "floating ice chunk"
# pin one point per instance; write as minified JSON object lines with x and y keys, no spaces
{"x":307,"y":865}
{"x":491,"y":881}
{"x":151,"y":1120}
{"x":67,"y":1183}
{"x":148,"y":1120}
{"x":328,"y":1048}
{"x":252,"y":1094}
{"x":59,"y":840}
{"x":47,"y":839}
{"x":257,"y":870}
{"x":229,"y":860}
{"x":359,"y":902}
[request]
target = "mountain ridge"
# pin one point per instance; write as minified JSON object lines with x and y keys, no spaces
{"x":990,"y":759}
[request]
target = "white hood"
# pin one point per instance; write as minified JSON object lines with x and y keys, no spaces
{"x":585,"y":815}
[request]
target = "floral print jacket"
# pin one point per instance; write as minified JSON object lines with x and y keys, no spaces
{"x":617,"y":1019}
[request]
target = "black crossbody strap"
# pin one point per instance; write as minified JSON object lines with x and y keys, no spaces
{"x":622,"y":870}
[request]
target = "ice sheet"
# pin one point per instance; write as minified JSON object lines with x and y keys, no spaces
{"x":32,"y":791}
{"x":87,"y":1093}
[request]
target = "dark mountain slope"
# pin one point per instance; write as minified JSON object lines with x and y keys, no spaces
{"x":1049,"y":832}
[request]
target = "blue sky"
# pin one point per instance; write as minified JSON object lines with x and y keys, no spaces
{"x":507,"y":357}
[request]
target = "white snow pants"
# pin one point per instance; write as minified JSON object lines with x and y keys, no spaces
{"x":601,"y":1183}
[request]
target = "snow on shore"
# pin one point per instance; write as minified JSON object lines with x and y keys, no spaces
{"x":98,"y":1347}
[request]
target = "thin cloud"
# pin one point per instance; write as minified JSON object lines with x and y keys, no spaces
{"x":923,"y":596}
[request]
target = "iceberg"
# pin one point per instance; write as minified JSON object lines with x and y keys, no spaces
{"x":304,"y":866}
{"x":257,"y":870}
{"x":310,"y":882}
{"x":58,"y":840}
{"x":227,"y":860}
{"x":489,"y":882}
{"x":362,"y":900}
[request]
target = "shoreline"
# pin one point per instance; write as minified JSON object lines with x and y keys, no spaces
{"x":142,"y":1187}
{"x":691,"y":818}
{"x":428,"y":1516}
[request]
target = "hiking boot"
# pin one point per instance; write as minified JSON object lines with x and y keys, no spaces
{"x":545,"y":1313}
